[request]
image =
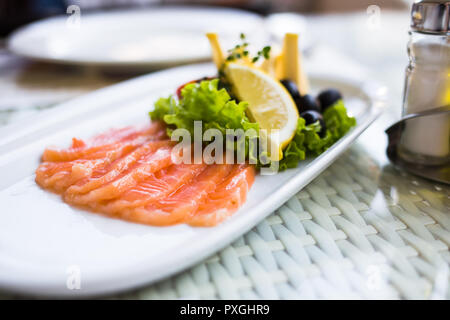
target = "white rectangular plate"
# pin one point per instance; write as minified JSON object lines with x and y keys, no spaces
{"x":45,"y":244}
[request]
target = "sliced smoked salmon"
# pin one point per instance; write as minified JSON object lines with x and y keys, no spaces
{"x":185,"y":201}
{"x":116,"y":181}
{"x":129,"y":174}
{"x":119,"y":167}
{"x":63,"y":167}
{"x":225,"y":199}
{"x":58,"y":176}
{"x":159,"y":185}
{"x":103,"y":143}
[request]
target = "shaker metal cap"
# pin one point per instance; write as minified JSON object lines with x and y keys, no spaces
{"x":431,"y":16}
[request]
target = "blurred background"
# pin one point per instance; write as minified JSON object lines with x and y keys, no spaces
{"x":14,"y":13}
{"x":50,"y":62}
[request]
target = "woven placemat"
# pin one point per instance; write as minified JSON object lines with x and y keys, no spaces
{"x":356,"y":231}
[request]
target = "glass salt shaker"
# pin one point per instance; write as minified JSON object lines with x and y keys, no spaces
{"x":426,"y":140}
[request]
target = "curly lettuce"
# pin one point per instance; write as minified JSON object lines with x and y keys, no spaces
{"x":215,"y":108}
{"x":307,"y":140}
{"x":206,"y":102}
{"x":337,"y":121}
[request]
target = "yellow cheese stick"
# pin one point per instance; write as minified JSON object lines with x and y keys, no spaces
{"x":290,"y":57}
{"x":217,"y":52}
{"x":290,"y":63}
{"x":279,"y":67}
{"x":269,"y":66}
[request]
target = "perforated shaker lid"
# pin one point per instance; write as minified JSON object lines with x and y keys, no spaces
{"x":431,"y":16}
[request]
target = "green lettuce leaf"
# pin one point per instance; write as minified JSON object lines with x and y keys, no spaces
{"x":308,"y":142}
{"x":203,"y":101}
{"x":216,"y":109}
{"x":206,"y":102}
{"x":337,"y":121}
{"x":163,"y":106}
{"x":296,"y":149}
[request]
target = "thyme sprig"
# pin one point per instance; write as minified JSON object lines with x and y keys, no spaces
{"x":241,"y":50}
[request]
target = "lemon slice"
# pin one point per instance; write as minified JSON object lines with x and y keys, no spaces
{"x":270,"y":105}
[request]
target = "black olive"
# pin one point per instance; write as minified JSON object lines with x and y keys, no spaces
{"x":328,"y":97}
{"x":312,"y":116}
{"x":307,"y":102}
{"x":291,"y":87}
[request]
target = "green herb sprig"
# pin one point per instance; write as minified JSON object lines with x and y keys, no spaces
{"x":241,"y":50}
{"x":265,"y":52}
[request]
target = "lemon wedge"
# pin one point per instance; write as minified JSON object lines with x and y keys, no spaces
{"x":270,"y":105}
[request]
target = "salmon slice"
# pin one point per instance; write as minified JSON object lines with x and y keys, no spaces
{"x":144,"y":168}
{"x":172,"y":209}
{"x":121,"y":167}
{"x":58,"y":176}
{"x":225,"y":199}
{"x":61,"y":175}
{"x":159,"y":185}
{"x":100,"y":145}
{"x":155,"y":129}
{"x":128,"y":173}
